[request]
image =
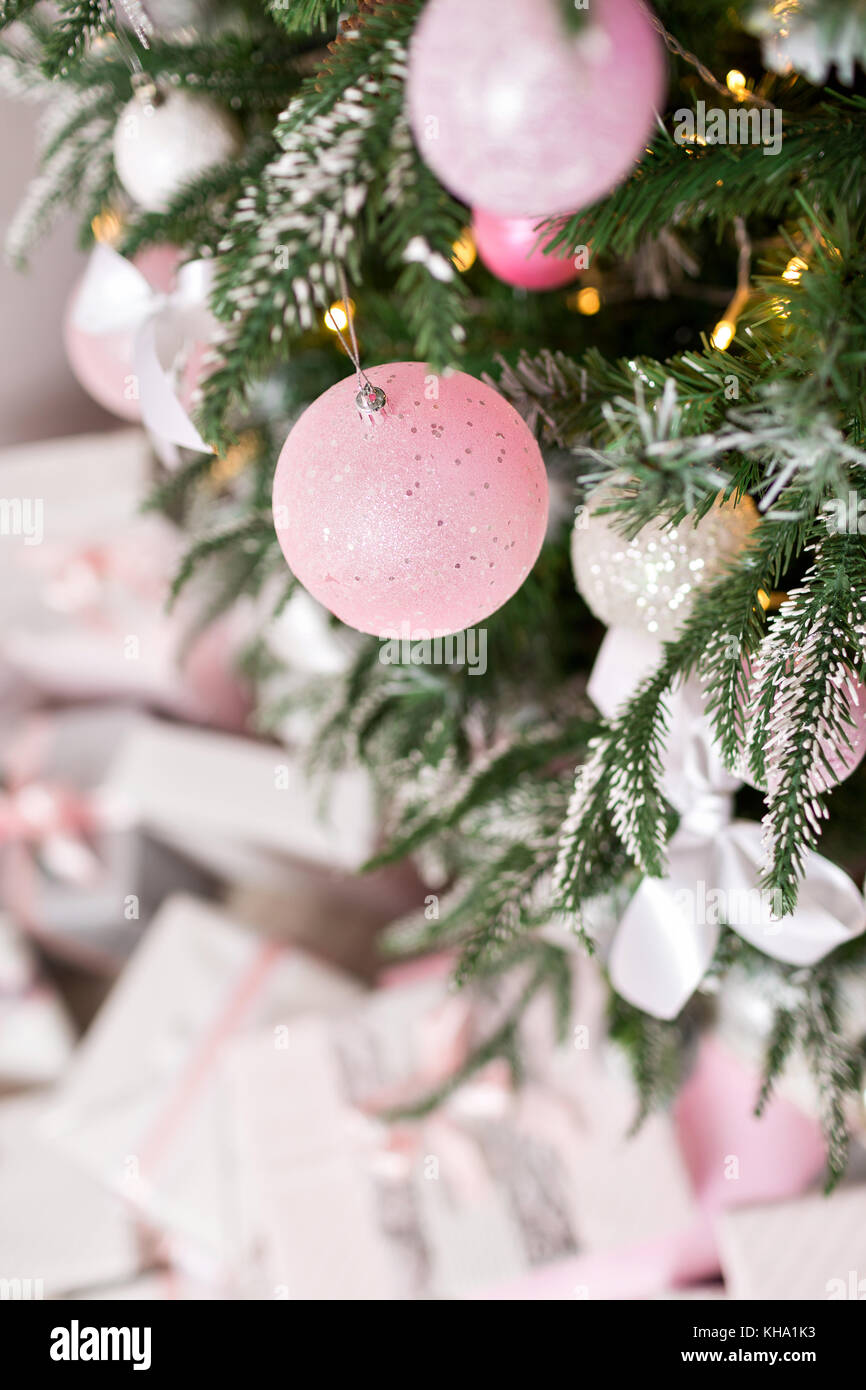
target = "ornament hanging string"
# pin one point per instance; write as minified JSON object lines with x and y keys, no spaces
{"x":370,"y":398}
{"x":700,"y":68}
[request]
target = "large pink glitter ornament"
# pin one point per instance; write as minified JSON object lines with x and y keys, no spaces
{"x":102,"y":362}
{"x":518,"y":115}
{"x":417,"y":519}
{"x":510,"y":248}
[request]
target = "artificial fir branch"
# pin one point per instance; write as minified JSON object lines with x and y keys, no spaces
{"x":79,"y":164}
{"x":803,"y":699}
{"x":198,"y":215}
{"x":303,"y":16}
{"x":550,"y":971}
{"x":255,"y":532}
{"x":686,"y":185}
{"x":836,"y":1069}
{"x":618,"y":789}
{"x":780,"y":1045}
{"x":655,"y":1049}
{"x":11,"y":10}
{"x":313,"y":211}
{"x":78,"y":23}
{"x":490,"y":778}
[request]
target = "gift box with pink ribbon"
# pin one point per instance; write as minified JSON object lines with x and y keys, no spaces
{"x":537,"y":1191}
{"x":104,"y":812}
{"x":84,"y":587}
{"x":143,"y":1106}
{"x":77,"y":873}
{"x":36,"y":1033}
{"x":356,"y":1196}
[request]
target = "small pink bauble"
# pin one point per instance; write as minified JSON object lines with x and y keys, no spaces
{"x":102,"y":362}
{"x":507,"y":246}
{"x":418,"y":520}
{"x":841,"y":758}
{"x":518,"y":115}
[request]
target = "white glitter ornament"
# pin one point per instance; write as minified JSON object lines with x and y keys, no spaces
{"x":650,"y":582}
{"x":161,"y":144}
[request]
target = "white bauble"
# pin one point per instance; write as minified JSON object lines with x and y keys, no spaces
{"x":161,"y":146}
{"x":650,"y":582}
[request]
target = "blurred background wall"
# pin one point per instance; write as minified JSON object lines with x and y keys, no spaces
{"x":39,"y":398}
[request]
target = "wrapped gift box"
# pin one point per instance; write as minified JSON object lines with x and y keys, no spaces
{"x":239,"y":806}
{"x":36,"y":1035}
{"x":59,"y":1228}
{"x":108,"y":811}
{"x":143,"y":1106}
{"x":492,"y":1187}
{"x":813,"y":1248}
{"x":83,"y":597}
{"x":75,"y":870}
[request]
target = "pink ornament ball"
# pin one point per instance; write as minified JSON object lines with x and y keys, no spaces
{"x":508,"y":247}
{"x":102,"y":362}
{"x":420,"y":519}
{"x":517,"y":114}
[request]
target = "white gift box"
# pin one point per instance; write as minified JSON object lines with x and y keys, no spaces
{"x":36,"y":1035}
{"x":60,"y":1230}
{"x":129,"y":804}
{"x":812,"y":1248}
{"x":493,"y":1186}
{"x":84,"y":580}
{"x":237,"y":805}
{"x":143,"y":1106}
{"x":76,"y":870}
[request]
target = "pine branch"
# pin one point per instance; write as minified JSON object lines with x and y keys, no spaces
{"x":780,"y":1045}
{"x":348,"y":179}
{"x":255,"y":533}
{"x":655,"y":1050}
{"x":617,"y":792}
{"x":502,"y":1042}
{"x":172,"y":492}
{"x":685,"y":186}
{"x":11,"y":10}
{"x":79,"y":22}
{"x":490,"y":779}
{"x":836,"y":1069}
{"x":78,"y":165}
{"x":303,"y":16}
{"x":198,"y":214}
{"x":803,"y":699}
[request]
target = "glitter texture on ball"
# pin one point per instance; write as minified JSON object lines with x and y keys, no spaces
{"x":650,"y":582}
{"x":420,"y":520}
{"x":518,"y":115}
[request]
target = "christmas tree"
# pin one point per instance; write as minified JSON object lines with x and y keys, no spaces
{"x":639,"y":232}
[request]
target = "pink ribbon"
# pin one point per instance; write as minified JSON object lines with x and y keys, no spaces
{"x":42,"y":824}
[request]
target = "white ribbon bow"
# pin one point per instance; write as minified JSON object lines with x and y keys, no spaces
{"x":669,"y":932}
{"x":114,"y":297}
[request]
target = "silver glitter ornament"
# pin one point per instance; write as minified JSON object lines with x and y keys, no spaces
{"x":650,"y":582}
